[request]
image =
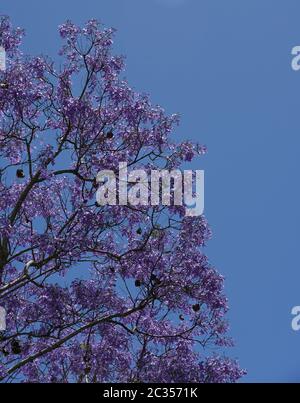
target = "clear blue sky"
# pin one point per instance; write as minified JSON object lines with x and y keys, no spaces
{"x":225,"y":66}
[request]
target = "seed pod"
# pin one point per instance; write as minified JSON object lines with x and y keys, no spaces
{"x":138,"y":283}
{"x":20,"y":173}
{"x":87,"y":370}
{"x":139,"y":231}
{"x":110,"y":134}
{"x":5,"y":352}
{"x":196,"y":307}
{"x":181,"y":317}
{"x":155,"y":279}
{"x":16,"y":347}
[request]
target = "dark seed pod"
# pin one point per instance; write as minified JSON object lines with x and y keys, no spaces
{"x":139,"y":231}
{"x":138,"y":283}
{"x":20,"y":173}
{"x":196,"y":307}
{"x":110,"y":135}
{"x":16,"y":347}
{"x":181,"y":317}
{"x":155,"y":279}
{"x":87,"y":370}
{"x":5,"y":352}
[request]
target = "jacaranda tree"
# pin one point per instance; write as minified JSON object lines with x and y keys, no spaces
{"x":97,"y":293}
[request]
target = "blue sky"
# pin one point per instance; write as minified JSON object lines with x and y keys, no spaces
{"x":225,"y":66}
